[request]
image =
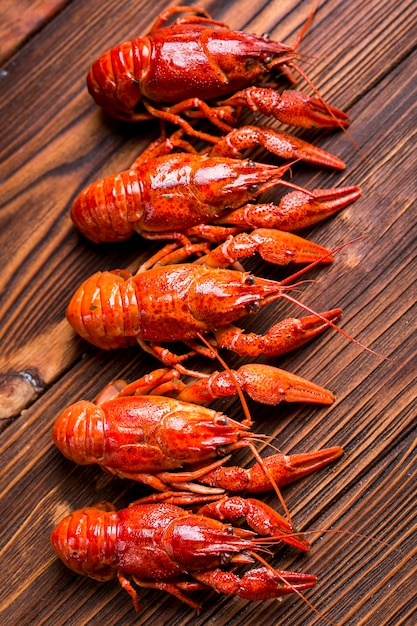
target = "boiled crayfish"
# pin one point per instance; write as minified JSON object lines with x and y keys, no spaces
{"x":184,"y":69}
{"x":135,"y":431}
{"x":154,"y":430}
{"x":170,"y":301}
{"x":206,"y":196}
{"x":163,"y":546}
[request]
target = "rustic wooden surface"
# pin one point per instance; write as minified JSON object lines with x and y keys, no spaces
{"x":53,"y":140}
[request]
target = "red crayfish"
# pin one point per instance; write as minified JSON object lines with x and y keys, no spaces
{"x":205,"y":196}
{"x":135,"y":431}
{"x":163,"y":546}
{"x":186,"y":68}
{"x":170,"y":301}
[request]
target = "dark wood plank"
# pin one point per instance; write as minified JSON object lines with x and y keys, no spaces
{"x":53,"y":141}
{"x":17,"y":25}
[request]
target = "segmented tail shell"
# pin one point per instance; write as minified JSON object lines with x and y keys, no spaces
{"x":85,"y":541}
{"x":79,"y":433}
{"x":113,"y":79}
{"x":106,"y":209}
{"x":104,"y":310}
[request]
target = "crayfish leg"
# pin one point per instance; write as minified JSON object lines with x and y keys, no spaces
{"x":163,"y":354}
{"x":212,"y":233}
{"x":163,"y":146}
{"x":175,"y":118}
{"x":127,"y":586}
{"x":174,"y":588}
{"x":178,"y":498}
{"x":201,"y":14}
{"x":173,"y":252}
{"x":162,"y":481}
{"x":174,"y":360}
{"x":158,"y":382}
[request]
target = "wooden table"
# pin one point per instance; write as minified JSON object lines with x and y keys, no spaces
{"x":53,"y":141}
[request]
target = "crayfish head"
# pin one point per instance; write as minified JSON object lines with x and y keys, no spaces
{"x":191,"y":434}
{"x":201,"y":543}
{"x":221,"y":296}
{"x":112,"y":84}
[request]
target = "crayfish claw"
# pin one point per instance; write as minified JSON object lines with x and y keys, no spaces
{"x":263,"y":383}
{"x":274,"y":246}
{"x":260,"y":517}
{"x":271,"y":385}
{"x":297,"y":209}
{"x":296,"y":466}
{"x":298,"y":109}
{"x":257,"y":584}
{"x":282,"y":468}
{"x":287,"y":335}
{"x":290,"y":107}
{"x":282,"y":144}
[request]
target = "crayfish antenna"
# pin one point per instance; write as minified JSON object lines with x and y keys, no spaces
{"x":329,"y":322}
{"x":248,"y":421}
{"x":328,"y":108}
{"x":312,"y":85}
{"x":306,"y":25}
{"x":271,"y":479}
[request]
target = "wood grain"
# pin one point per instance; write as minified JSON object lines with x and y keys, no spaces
{"x":53,"y":141}
{"x":18,"y":25}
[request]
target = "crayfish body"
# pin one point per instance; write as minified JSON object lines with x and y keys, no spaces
{"x":135,"y":432}
{"x":163,"y":546}
{"x":179,"y":69}
{"x":180,"y":195}
{"x":181,"y":302}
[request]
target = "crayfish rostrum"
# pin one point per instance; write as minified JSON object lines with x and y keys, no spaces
{"x":187,"y":70}
{"x":161,"y":545}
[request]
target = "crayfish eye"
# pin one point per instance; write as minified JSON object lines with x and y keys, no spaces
{"x":221,"y":451}
{"x":250,"y":280}
{"x":221,"y":421}
{"x":252,"y":307}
